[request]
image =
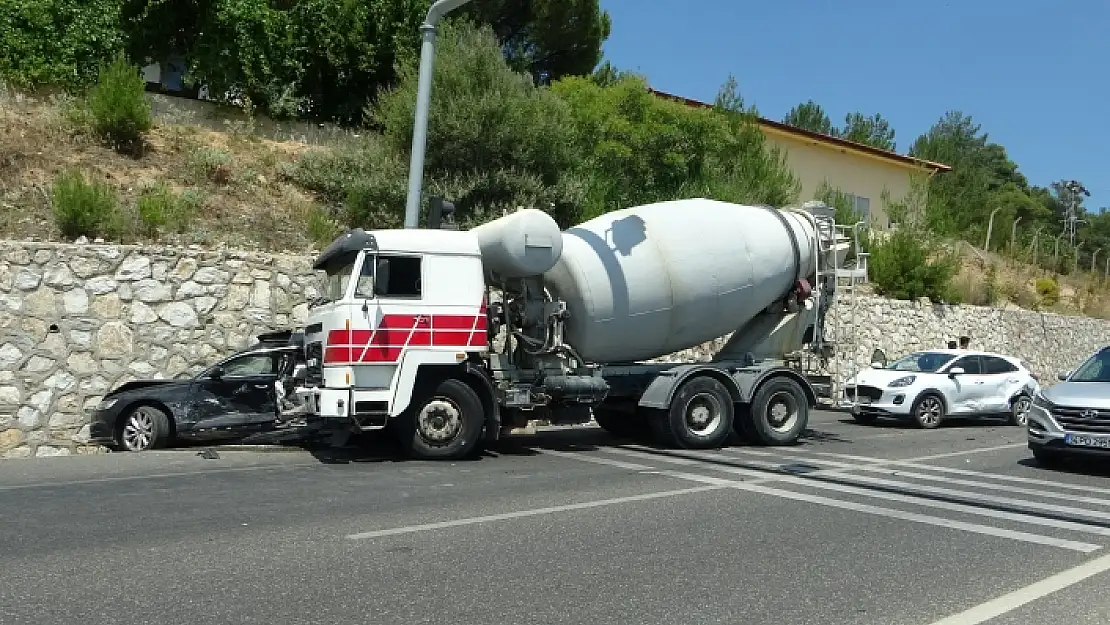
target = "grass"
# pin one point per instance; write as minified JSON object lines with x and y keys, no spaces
{"x":194,"y":183}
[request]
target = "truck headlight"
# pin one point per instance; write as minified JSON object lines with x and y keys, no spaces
{"x":905,"y":381}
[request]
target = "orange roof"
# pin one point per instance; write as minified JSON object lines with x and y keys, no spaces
{"x":817,"y":136}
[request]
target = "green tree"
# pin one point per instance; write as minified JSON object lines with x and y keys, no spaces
{"x":549,"y":39}
{"x":57,"y":42}
{"x":637,"y":148}
{"x":809,"y":116}
{"x":873,"y":131}
{"x":495,"y":139}
{"x":314,"y":58}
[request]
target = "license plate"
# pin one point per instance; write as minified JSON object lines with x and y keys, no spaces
{"x":1087,"y":440}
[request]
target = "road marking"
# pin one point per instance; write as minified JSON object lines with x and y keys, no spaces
{"x":409,"y":529}
{"x":1037,"y":590}
{"x":902,"y":498}
{"x":607,"y":461}
{"x":894,"y":471}
{"x":892,"y":513}
{"x":951,"y":492}
{"x":994,"y":476}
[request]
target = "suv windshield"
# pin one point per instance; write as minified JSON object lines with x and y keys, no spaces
{"x":1097,"y":369}
{"x":922,"y":362}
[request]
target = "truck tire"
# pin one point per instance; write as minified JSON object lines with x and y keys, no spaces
{"x":700,"y":416}
{"x":779,"y":412}
{"x":443,"y":424}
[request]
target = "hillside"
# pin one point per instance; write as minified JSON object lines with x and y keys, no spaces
{"x":240,"y":181}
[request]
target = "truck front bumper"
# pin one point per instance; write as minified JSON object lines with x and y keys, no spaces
{"x":327,"y":403}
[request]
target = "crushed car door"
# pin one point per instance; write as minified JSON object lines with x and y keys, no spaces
{"x":1004,"y":381}
{"x":239,"y":392}
{"x":967,"y":394}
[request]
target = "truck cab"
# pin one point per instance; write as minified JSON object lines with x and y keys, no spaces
{"x":396,"y":308}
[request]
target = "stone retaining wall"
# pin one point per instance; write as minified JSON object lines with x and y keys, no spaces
{"x":77,"y":320}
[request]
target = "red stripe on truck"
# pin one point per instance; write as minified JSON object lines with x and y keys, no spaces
{"x":395,"y":333}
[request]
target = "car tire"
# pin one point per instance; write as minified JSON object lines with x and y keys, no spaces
{"x":1019,"y":410}
{"x":444,"y":424}
{"x":144,"y":427}
{"x":928,"y":410}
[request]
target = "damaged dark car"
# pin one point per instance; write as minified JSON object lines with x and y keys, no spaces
{"x":235,"y":397}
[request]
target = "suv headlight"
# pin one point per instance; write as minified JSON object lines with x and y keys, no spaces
{"x":904,"y":381}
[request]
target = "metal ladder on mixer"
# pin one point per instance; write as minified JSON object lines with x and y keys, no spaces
{"x":845,"y":363}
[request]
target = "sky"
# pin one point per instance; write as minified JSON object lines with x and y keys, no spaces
{"x":1035,"y":74}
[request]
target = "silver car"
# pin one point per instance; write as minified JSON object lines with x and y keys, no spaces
{"x":1073,"y":417}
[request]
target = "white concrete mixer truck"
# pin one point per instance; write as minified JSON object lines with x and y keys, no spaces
{"x":449,"y":337}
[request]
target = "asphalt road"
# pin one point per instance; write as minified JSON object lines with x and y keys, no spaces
{"x":879,"y":525}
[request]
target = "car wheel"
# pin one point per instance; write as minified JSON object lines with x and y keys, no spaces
{"x":144,"y":428}
{"x":1019,"y":410}
{"x":928,"y":411}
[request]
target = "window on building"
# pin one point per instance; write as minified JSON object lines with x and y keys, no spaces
{"x":861,"y":205}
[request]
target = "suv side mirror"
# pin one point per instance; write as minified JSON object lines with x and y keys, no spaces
{"x":1063,"y":376}
{"x":876,"y":365}
{"x":955,"y":371}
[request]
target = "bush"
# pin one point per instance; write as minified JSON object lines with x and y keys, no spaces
{"x":1048,"y":290}
{"x":82,"y":208}
{"x":118,"y":103}
{"x":901,"y":267}
{"x":160,"y":208}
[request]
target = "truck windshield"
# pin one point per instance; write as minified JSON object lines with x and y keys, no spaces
{"x":921,"y":362}
{"x":335,"y":283}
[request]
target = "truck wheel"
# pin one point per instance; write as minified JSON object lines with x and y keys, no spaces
{"x":700,"y":416}
{"x":780,"y":412}
{"x":444,"y":424}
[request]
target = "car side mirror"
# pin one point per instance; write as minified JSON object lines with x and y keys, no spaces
{"x":217,"y":373}
{"x":955,"y":371}
{"x":1063,"y":376}
{"x":876,"y":365}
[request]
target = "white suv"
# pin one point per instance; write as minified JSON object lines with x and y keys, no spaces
{"x":928,"y":386}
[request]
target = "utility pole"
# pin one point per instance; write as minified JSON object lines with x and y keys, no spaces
{"x":423,"y":96}
{"x":1072,"y":204}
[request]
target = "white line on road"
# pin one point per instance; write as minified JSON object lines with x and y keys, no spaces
{"x":887,"y":469}
{"x":994,"y":476}
{"x":408,"y":529}
{"x":1037,"y":590}
{"x":892,"y":513}
{"x":901,"y":498}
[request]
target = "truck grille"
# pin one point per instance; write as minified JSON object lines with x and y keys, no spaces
{"x":1082,"y":419}
{"x":314,"y":363}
